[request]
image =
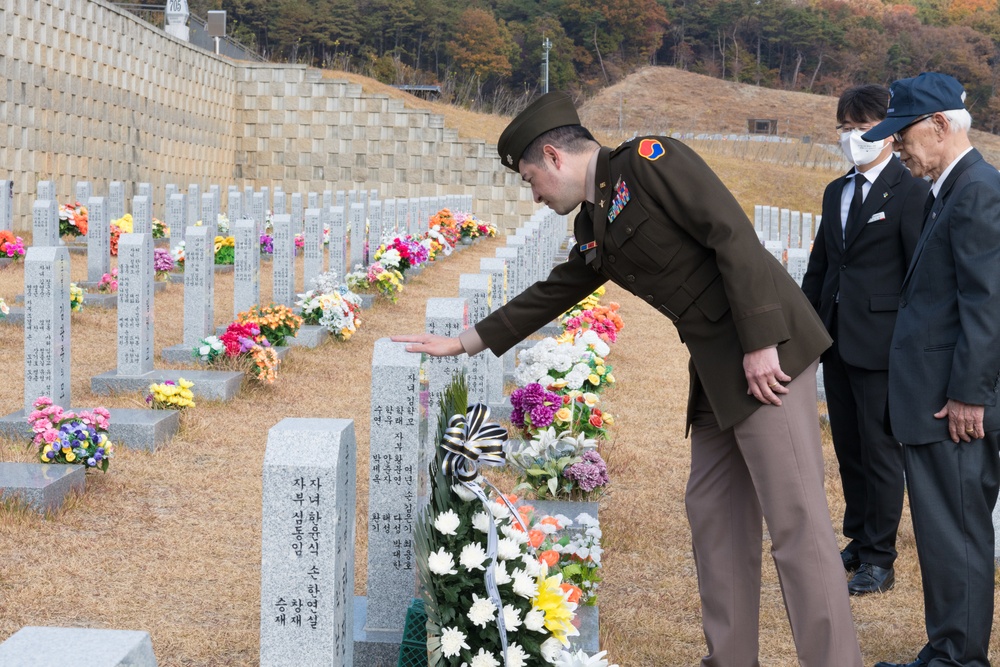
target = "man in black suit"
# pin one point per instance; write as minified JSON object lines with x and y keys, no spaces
{"x":872,"y":219}
{"x":944,"y":368}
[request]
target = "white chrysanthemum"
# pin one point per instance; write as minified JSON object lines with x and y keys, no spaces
{"x":531,"y":565}
{"x":481,"y":522}
{"x":575,"y":380}
{"x":551,"y":649}
{"x":534,"y":620}
{"x":463,"y":492}
{"x":441,"y":562}
{"x":447,"y":522}
{"x":499,"y":510}
{"x":546,"y":380}
{"x":483,"y":611}
{"x":508,"y":549}
{"x":525,"y":584}
{"x":452,"y":642}
{"x":516,"y":656}
{"x":581,"y":659}
{"x":586,"y":520}
{"x":511,"y":617}
{"x":484,"y":659}
{"x":390,"y":258}
{"x":472,"y":556}
{"x":515,"y":534}
{"x":501,"y":575}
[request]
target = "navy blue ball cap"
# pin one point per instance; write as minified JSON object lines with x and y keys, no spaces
{"x":909,"y":99}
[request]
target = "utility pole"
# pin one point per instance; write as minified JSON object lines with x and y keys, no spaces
{"x":546,"y":46}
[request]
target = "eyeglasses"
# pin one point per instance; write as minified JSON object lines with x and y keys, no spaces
{"x":898,"y":136}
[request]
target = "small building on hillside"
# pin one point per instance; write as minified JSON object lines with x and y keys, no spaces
{"x":762,"y":125}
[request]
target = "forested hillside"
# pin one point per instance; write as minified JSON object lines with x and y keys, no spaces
{"x":490,"y":52}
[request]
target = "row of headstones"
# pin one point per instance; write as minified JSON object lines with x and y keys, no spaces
{"x":306,"y":583}
{"x":383,"y":217}
{"x":788,"y":235}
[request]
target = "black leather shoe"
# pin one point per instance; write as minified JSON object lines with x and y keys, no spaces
{"x":916,"y":663}
{"x":872,"y":579}
{"x":850,"y":560}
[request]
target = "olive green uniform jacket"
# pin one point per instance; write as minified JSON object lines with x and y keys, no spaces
{"x":681,"y":242}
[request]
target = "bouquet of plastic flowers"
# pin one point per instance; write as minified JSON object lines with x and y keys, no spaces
{"x":72,"y":219}
{"x":276,"y":322}
{"x":376,"y":278}
{"x":484,"y":606}
{"x":337,"y":311}
{"x":11,"y":246}
{"x":242,"y":347}
{"x":401,"y":253}
{"x":4,"y":308}
{"x":160,"y":229}
{"x":571,"y":547}
{"x":573,"y":361}
{"x":549,"y":464}
{"x":70,"y":437}
{"x":580,"y":414}
{"x":75,"y":297}
{"x":177,"y":254}
{"x":171,"y":395}
{"x":163,"y":263}
{"x":108,"y":284}
{"x":122,"y":225}
{"x":266,"y":244}
{"x":602,"y":320}
{"x":225,"y":249}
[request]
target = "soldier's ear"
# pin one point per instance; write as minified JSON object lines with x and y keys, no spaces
{"x":551,"y":154}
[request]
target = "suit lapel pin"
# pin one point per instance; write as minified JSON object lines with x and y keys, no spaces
{"x":885,"y":195}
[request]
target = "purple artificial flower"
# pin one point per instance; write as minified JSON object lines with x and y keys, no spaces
{"x":590,"y":473}
{"x":536,"y":403}
{"x":162,"y":261}
{"x":266,"y":244}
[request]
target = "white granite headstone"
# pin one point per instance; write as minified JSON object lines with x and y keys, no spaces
{"x":395,"y":469}
{"x":116,"y":200}
{"x":312,"y":249}
{"x":46,"y":325}
{"x":142,"y":215}
{"x":234,"y":206}
{"x":283,"y":264}
{"x":798,"y":261}
{"x":358,"y":248}
{"x":297,"y":218}
{"x":6,"y":205}
{"x":307,"y":544}
{"x":374,"y":229}
{"x":246,"y":269}
{"x":43,"y":231}
{"x":194,"y":204}
{"x":135,"y":304}
{"x":176,"y":217}
{"x":98,"y":238}
{"x":279,"y":202}
{"x":476,"y":289}
{"x":84,"y":191}
{"x":199,"y":271}
{"x":338,"y":242}
{"x":444,"y":317}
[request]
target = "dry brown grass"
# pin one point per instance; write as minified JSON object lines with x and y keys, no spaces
{"x":169,"y":541}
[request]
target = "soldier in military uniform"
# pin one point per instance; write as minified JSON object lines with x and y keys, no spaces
{"x":658,"y":222}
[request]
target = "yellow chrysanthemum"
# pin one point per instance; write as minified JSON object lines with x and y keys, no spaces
{"x":553,"y":601}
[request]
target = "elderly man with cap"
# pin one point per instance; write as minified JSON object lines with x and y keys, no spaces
{"x":658,"y":222}
{"x":944,"y":367}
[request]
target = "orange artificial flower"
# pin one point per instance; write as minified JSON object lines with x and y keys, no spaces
{"x":574,"y":592}
{"x":548,"y":557}
{"x":550,"y":521}
{"x":535,"y":538}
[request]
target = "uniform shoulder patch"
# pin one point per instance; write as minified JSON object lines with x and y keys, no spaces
{"x":651,"y":149}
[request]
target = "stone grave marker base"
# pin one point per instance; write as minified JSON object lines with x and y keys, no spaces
{"x":373,"y":648}
{"x":309,"y":335}
{"x":41,"y":486}
{"x":77,"y":647}
{"x":208,"y":385}
{"x":97,"y":300}
{"x":135,"y":428}
{"x":14,"y":317}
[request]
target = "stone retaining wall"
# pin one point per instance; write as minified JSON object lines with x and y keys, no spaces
{"x":91,"y":92}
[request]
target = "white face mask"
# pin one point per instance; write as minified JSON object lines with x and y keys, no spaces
{"x":858,"y":151}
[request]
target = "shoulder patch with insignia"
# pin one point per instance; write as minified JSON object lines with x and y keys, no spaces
{"x":651,"y":149}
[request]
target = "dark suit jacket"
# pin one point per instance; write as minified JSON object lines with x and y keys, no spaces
{"x":683,"y":244}
{"x":946,"y":343}
{"x":869,"y":271}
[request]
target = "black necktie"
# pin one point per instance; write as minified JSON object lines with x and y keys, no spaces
{"x":929,"y":204}
{"x":856,"y":201}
